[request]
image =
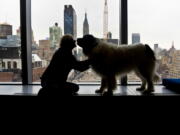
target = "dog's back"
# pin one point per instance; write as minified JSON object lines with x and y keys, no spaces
{"x":111,"y":59}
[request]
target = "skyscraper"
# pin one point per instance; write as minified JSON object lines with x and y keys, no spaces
{"x":156,"y":46}
{"x":55,"y":36}
{"x":109,"y":35}
{"x":70,"y":21}
{"x":105,"y":25}
{"x":85,"y":26}
{"x":136,"y":38}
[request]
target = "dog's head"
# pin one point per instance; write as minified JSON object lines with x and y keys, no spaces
{"x":88,"y":42}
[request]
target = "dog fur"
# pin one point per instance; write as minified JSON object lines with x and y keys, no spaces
{"x":109,"y":61}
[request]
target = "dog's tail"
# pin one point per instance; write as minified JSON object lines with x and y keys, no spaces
{"x":150,"y":53}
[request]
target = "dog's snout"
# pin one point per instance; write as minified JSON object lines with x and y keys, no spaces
{"x":78,"y":40}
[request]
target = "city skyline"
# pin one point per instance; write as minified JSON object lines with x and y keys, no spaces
{"x":155,"y":27}
{"x":95,"y":11}
{"x":109,"y":35}
{"x":168,"y":60}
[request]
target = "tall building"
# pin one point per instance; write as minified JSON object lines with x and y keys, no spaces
{"x":156,"y":50}
{"x":5,"y":30}
{"x":55,"y":36}
{"x":136,"y":38}
{"x":109,"y":35}
{"x":44,"y":51}
{"x":174,"y":70}
{"x":109,"y":39}
{"x":85,"y":26}
{"x":156,"y":46}
{"x":105,"y":25}
{"x":70,"y":21}
{"x":18,"y":32}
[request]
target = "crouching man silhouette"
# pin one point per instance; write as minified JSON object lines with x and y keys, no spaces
{"x":54,"y":80}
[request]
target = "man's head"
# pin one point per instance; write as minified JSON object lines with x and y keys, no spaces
{"x":67,"y":42}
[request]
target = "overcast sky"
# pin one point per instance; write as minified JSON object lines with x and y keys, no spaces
{"x":158,"y":21}
{"x":53,"y":11}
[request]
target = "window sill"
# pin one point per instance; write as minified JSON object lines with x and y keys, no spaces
{"x":85,"y":89}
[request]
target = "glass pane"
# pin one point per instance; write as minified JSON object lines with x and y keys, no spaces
{"x":156,"y":22}
{"x":76,"y":17}
{"x":10,"y":44}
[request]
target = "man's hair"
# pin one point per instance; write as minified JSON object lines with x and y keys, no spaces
{"x":66,"y":41}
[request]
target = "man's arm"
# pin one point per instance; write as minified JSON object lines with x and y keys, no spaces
{"x":81,"y":65}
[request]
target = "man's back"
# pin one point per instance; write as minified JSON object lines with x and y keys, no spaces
{"x":60,"y":66}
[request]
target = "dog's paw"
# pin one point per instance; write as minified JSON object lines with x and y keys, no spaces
{"x":140,"y":89}
{"x":148,"y":92}
{"x":99,"y":91}
{"x":108,"y":94}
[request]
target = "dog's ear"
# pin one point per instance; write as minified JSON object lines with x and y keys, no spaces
{"x":90,"y":40}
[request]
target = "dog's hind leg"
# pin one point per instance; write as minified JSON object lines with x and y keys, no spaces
{"x":112,"y":84}
{"x":104,"y":84}
{"x":148,"y":75}
{"x":144,"y":82}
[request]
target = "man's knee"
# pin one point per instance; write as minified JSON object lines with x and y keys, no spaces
{"x":43,"y":92}
{"x":72,"y":87}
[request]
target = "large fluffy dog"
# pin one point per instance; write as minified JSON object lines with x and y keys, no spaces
{"x":109,"y":61}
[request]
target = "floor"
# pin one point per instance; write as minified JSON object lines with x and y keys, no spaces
{"x":87,"y":90}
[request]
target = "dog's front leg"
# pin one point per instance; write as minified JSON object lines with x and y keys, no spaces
{"x":112,"y":84}
{"x":103,"y":86}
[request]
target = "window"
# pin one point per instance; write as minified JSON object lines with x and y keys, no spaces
{"x":156,"y":22}
{"x":3,"y":65}
{"x":10,"y":44}
{"x":14,"y":65}
{"x":9,"y":65}
{"x":77,"y":17}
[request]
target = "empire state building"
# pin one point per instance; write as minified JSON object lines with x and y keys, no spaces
{"x":105,"y":22}
{"x":85,"y":26}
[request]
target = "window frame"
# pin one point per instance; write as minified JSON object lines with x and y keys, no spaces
{"x":123,"y":30}
{"x":26,"y":41}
